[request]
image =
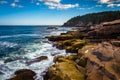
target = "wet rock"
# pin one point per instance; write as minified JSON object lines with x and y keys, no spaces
{"x":9,"y":60}
{"x":37,"y":60}
{"x":1,"y":72}
{"x":24,"y":74}
{"x":55,"y":53}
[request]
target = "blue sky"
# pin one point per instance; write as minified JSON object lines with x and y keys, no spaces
{"x":50,"y":12}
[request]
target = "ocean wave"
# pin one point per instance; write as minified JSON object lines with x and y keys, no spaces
{"x":42,"y":49}
{"x":8,"y":44}
{"x":35,"y":49}
{"x":19,"y":35}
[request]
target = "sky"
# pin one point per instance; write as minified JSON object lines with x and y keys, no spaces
{"x":50,"y":12}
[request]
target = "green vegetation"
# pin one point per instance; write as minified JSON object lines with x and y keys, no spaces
{"x":94,"y":18}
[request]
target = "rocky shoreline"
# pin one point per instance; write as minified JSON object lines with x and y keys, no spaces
{"x":95,"y":55}
{"x":97,"y":50}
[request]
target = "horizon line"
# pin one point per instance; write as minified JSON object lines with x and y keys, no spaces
{"x":30,"y":25}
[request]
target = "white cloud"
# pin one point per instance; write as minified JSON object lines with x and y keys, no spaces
{"x":110,"y":3}
{"x":113,"y":5}
{"x":3,"y":2}
{"x":16,"y":5}
{"x":54,"y":1}
{"x":13,"y":4}
{"x":53,"y":4}
{"x":67,"y":6}
{"x":104,"y":1}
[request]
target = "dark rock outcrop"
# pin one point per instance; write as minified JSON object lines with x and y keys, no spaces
{"x":24,"y":74}
{"x":37,"y":60}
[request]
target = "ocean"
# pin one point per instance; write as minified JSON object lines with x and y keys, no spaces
{"x":19,"y":44}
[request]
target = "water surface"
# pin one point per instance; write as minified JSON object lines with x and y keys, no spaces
{"x":19,"y":44}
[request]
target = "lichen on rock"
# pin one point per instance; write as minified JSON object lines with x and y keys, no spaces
{"x":65,"y":69}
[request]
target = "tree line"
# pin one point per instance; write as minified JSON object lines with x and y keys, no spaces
{"x":96,"y":18}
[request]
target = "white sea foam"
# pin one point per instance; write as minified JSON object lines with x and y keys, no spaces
{"x":1,"y":62}
{"x":8,"y":44}
{"x":42,"y":49}
{"x":32,"y":51}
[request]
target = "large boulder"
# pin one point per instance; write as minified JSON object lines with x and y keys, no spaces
{"x":24,"y":74}
{"x":65,"y":68}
